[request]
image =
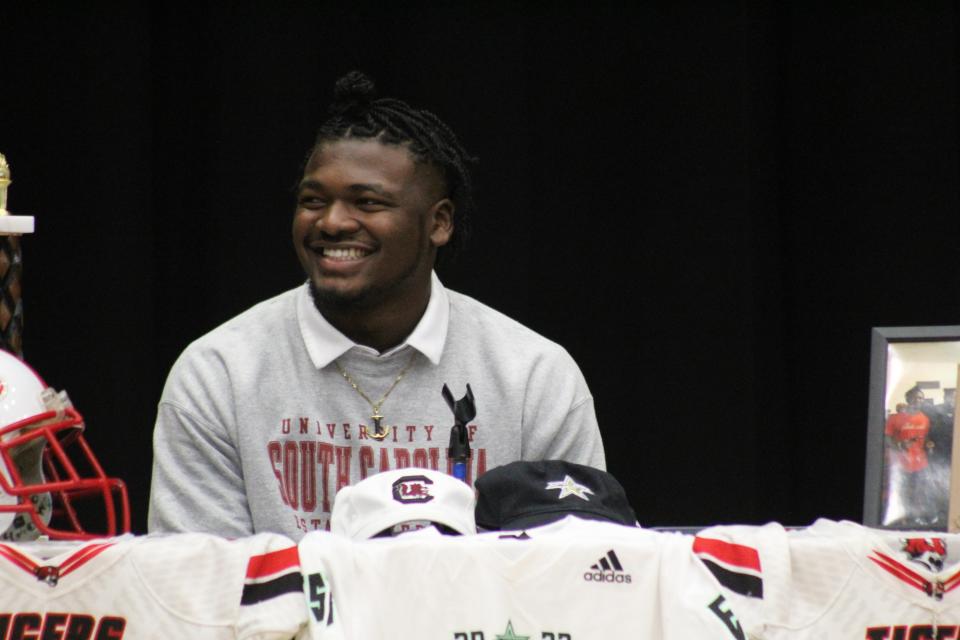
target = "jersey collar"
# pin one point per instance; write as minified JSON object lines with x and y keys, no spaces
{"x":325,"y":343}
{"x":879,"y":553}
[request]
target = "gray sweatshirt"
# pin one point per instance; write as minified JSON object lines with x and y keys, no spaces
{"x":257,"y":428}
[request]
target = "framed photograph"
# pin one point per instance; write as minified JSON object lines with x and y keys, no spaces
{"x":913,"y":459}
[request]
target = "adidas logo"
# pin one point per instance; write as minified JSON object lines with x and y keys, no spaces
{"x":607,"y":569}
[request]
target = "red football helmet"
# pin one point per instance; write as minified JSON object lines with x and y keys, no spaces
{"x":47,"y":469}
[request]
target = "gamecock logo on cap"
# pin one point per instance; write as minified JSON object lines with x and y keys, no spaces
{"x":412,"y":489}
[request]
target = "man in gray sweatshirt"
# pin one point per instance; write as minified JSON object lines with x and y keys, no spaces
{"x":266,"y":417}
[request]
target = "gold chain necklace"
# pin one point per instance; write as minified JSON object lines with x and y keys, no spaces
{"x":379,"y":433}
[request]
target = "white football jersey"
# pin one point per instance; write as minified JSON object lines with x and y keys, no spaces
{"x":570,"y":580}
{"x":744,"y":560}
{"x":187,"y":585}
{"x":844,"y":580}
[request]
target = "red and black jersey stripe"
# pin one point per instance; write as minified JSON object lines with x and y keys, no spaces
{"x":735,"y":566}
{"x":271,"y":575}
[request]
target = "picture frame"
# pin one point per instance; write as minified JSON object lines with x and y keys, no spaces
{"x":912,"y":476}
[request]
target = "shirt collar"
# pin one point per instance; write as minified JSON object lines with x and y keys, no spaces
{"x":325,"y":343}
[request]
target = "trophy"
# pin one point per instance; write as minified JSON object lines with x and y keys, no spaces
{"x":11,"y":304}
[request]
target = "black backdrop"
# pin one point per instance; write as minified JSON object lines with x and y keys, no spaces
{"x":709,"y":204}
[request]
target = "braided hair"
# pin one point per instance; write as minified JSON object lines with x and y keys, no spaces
{"x":356,"y":112}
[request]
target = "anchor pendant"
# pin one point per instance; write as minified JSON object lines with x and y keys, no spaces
{"x":379,"y":433}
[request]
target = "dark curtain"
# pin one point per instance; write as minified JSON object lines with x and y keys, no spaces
{"x":709,"y":204}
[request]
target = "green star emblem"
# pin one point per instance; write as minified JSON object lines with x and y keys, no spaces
{"x":510,"y":635}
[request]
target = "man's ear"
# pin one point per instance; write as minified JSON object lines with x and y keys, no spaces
{"x":441,"y":222}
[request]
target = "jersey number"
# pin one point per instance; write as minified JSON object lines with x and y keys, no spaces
{"x":321,"y":600}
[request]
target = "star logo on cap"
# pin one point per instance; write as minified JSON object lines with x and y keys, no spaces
{"x":569,"y":487}
{"x":510,"y":635}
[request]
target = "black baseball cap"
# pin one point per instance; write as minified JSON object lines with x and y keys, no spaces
{"x":527,"y":493}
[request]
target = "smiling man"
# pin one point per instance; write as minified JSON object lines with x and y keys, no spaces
{"x":265,"y":418}
{"x":368,"y":223}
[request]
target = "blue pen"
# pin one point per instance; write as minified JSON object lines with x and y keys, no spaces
{"x":459,"y":451}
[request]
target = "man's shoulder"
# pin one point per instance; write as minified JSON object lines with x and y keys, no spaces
{"x":261,"y":318}
{"x":250,"y":330}
{"x":482,"y":322}
{"x":243,"y":345}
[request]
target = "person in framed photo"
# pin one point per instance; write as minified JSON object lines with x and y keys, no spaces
{"x":941,"y":427}
{"x":912,"y":499}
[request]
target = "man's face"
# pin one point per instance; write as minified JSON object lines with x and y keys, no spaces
{"x":916,"y":399}
{"x":368,"y":222}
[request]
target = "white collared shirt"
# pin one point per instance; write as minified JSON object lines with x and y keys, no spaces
{"x":325,"y":343}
